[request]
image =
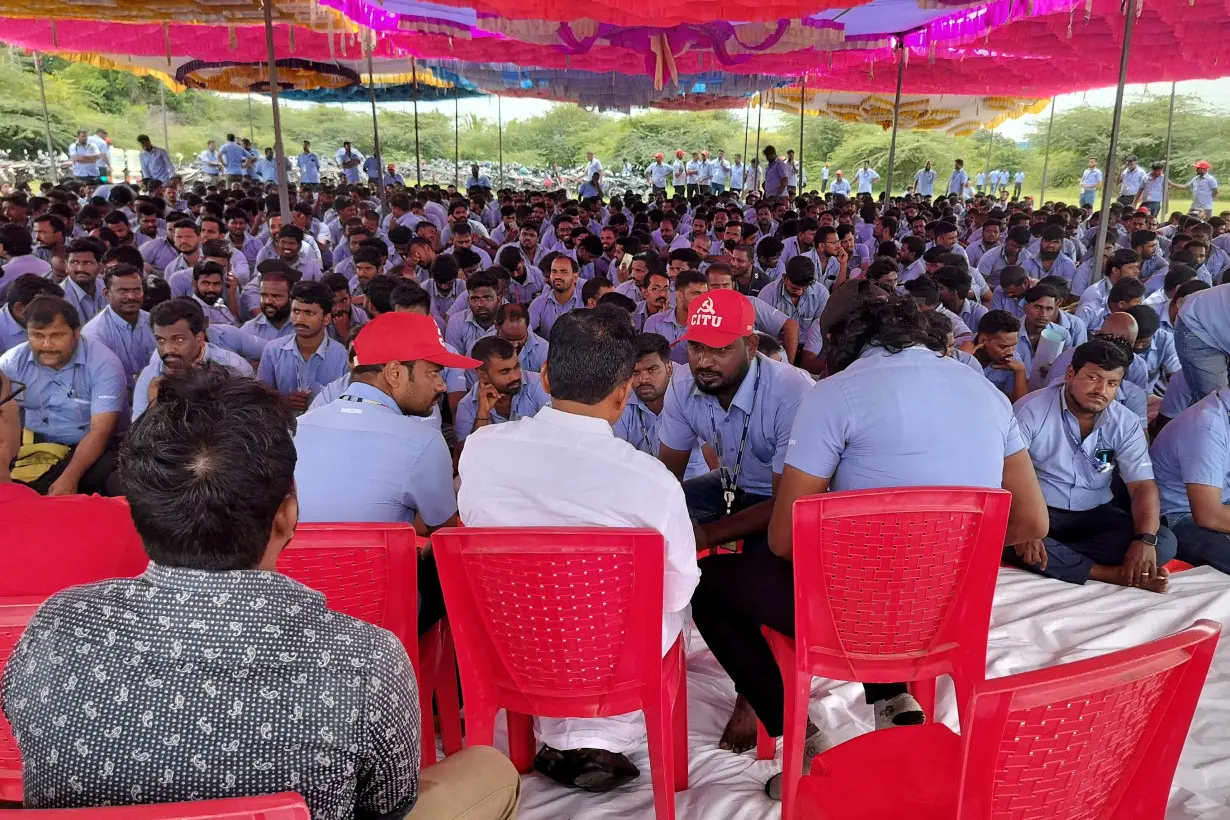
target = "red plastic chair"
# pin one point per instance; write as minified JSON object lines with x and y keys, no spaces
{"x":889,"y":585}
{"x":1098,"y":738}
{"x":566,"y":622}
{"x":283,"y":806}
{"x":370,"y":572}
{"x":15,"y":613}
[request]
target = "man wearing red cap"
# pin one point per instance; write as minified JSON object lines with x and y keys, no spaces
{"x":1203,"y":187}
{"x":565,"y":468}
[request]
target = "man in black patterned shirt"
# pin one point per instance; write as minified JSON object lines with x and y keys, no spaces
{"x":211,"y":675}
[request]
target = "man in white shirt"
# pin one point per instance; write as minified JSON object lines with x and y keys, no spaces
{"x":564,"y":467}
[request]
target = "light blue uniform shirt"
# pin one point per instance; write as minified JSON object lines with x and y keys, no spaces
{"x":854,"y":427}
{"x":527,"y":401}
{"x":282,"y":366}
{"x":766,"y":409}
{"x":11,"y":333}
{"x":132,"y":344}
{"x":233,"y":156}
{"x":545,"y":309}
{"x":247,"y":346}
{"x":1065,"y":464}
{"x":405,"y":467}
{"x":1205,"y":315}
{"x":309,"y":168}
{"x":87,"y":306}
{"x":1194,"y":448}
{"x":58,"y":404}
{"x":213,"y":353}
{"x":808,"y":309}
{"x":156,"y":164}
{"x":463,"y":331}
{"x":263,"y":329}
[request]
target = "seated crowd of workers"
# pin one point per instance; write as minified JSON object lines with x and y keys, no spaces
{"x":691,"y":366}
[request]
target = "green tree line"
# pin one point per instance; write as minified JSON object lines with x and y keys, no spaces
{"x":79,"y":95}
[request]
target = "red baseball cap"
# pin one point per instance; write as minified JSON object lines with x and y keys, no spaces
{"x":718,"y":318}
{"x":405,"y":337}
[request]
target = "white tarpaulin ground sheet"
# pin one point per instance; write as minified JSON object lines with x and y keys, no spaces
{"x":1035,"y":623}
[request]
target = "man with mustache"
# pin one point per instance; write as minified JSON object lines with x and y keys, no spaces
{"x":180,"y":335}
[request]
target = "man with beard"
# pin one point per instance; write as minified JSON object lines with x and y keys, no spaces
{"x":740,"y":403}
{"x":1078,"y":436}
{"x":76,"y":395}
{"x":564,"y":296}
{"x":394,"y":385}
{"x":503,"y":391}
{"x":181,"y":342}
{"x":122,"y":325}
{"x":1050,"y":261}
{"x":273,"y":321}
{"x":81,"y":289}
{"x":208,"y":287}
{"x":300,"y":365}
{"x":468,"y":326}
{"x":995,"y":346}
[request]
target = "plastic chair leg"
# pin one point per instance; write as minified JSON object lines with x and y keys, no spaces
{"x":798,"y":696}
{"x":679,"y":717}
{"x":661,"y":765}
{"x":447,"y":701}
{"x":521,"y":741}
{"x":766,"y":745}
{"x":924,"y":692}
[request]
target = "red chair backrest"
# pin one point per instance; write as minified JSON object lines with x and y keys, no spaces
{"x":1095,"y":739}
{"x":888,"y":584}
{"x":545,"y":616}
{"x":54,"y":543}
{"x":14,"y":615}
{"x":283,"y":806}
{"x":366,"y":571}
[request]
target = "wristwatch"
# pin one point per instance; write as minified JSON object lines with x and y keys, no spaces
{"x":1146,"y":538}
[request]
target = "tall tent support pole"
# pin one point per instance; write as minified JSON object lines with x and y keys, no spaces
{"x":42,"y":92}
{"x":499,"y":126}
{"x":1046,"y":158}
{"x":279,"y":152}
{"x":1128,"y":26}
{"x":166,"y":132}
{"x":802,"y":111}
{"x":418,"y":163}
{"x":892,"y":144}
{"x":457,"y":138}
{"x":371,"y":93}
{"x":747,"y":124}
{"x":251,"y":126}
{"x":1166,"y":172}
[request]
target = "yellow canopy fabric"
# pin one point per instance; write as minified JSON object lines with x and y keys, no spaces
{"x":955,"y":115}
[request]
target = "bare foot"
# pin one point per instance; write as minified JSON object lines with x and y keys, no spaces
{"x":740,"y":733}
{"x":1158,"y":582}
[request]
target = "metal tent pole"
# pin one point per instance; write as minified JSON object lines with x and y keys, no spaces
{"x":457,"y":138}
{"x":371,"y":93}
{"x":802,"y":111}
{"x":42,"y":91}
{"x":279,"y":153}
{"x":747,"y":124}
{"x":499,"y":125}
{"x":1046,"y":158}
{"x":166,"y":132}
{"x":1129,"y":25}
{"x":418,"y":163}
{"x":1166,"y":172}
{"x":892,"y":144}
